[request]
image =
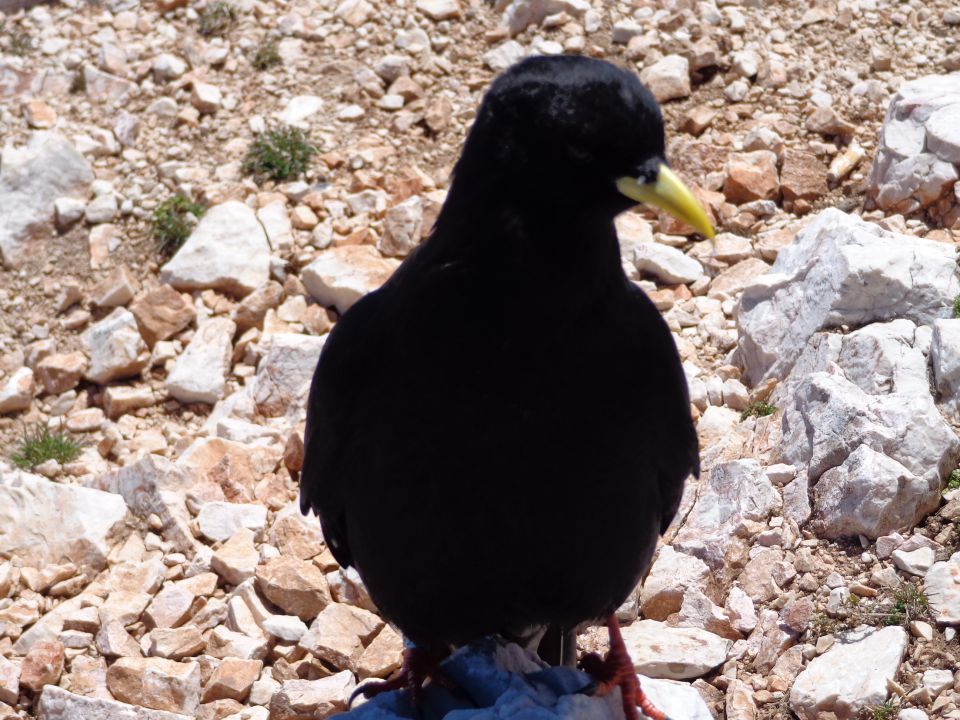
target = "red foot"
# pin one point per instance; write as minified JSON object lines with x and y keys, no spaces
{"x":616,"y":670}
{"x":418,"y":667}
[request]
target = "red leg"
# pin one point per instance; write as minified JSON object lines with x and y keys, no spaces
{"x":418,"y":667}
{"x":616,"y":670}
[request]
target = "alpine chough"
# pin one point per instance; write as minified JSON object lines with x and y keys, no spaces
{"x":497,"y":436}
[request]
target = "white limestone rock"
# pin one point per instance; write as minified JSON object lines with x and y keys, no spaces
{"x":518,"y":15}
{"x":676,"y":699}
{"x":840,"y":270}
{"x":59,"y":704}
{"x":659,"y":651}
{"x":881,"y":456}
{"x":299,"y":108}
{"x":200,"y":373}
{"x":276,"y":222}
{"x":17,"y":392}
{"x":669,"y":265}
{"x":945,"y":360}
{"x":32,"y":178}
{"x":342,"y":275}
{"x":732,"y":493}
{"x":504,"y":55}
{"x":942,"y":587}
{"x":668,"y":78}
{"x":919,"y":150}
{"x":671,"y":574}
{"x":46,"y":523}
{"x":852,"y":675}
{"x":282,"y":383}
{"x":115,"y":347}
{"x":218,"y":521}
{"x":227,"y":251}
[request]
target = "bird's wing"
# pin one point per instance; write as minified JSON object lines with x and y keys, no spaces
{"x":334,"y":427}
{"x":674,"y":446}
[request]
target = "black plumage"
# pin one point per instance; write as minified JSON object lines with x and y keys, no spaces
{"x":496,"y":437}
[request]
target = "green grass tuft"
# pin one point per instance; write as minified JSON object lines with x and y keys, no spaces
{"x":956,"y":307}
{"x":216,"y":19}
{"x":173,"y":221}
{"x":266,"y":55}
{"x":280,"y":154}
{"x":887,"y":711}
{"x":40,"y":444}
{"x":953,"y":481}
{"x":909,"y":604}
{"x":758,"y":409}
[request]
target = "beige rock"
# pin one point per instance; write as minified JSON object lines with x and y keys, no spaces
{"x":668,"y":78}
{"x":232,"y":680}
{"x":122,"y":399}
{"x":171,"y":607}
{"x":117,"y":289}
{"x":402,"y":228}
{"x":312,"y":699}
{"x":237,"y":559}
{"x":295,"y":586}
{"x":756,"y":579}
{"x":88,"y":677}
{"x":176,"y":643}
{"x":739,"y":703}
{"x":17,"y":392}
{"x":439,"y":9}
{"x":826,"y":121}
{"x":61,"y":372}
{"x":751,"y":176}
{"x":252,"y":309}
{"x":734,"y":279}
{"x":156,"y":683}
{"x":9,"y":681}
{"x":39,"y":115}
{"x":225,"y":643}
{"x":59,"y":704}
{"x":339,"y":634}
{"x":199,"y":374}
{"x":206,"y":98}
{"x":113,"y":640}
{"x":671,"y":574}
{"x":124,"y":606}
{"x":161,"y":313}
{"x":342,"y":275}
{"x":43,"y":665}
{"x":382,"y":656}
{"x":802,"y":176}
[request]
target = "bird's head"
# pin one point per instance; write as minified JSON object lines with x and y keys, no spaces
{"x":571,"y":131}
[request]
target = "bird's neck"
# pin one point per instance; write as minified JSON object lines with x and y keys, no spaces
{"x":558,"y":242}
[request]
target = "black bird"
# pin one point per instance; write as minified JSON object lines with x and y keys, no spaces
{"x":496,"y":437}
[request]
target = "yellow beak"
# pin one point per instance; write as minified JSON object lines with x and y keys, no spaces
{"x":670,"y":195}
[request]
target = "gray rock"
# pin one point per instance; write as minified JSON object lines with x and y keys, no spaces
{"x":840,"y":270}
{"x":32,"y":178}
{"x":199,"y":374}
{"x":227,"y":251}
{"x":945,"y":361}
{"x":732,"y":493}
{"x":841,"y":682}
{"x":916,"y":162}
{"x":942,"y":587}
